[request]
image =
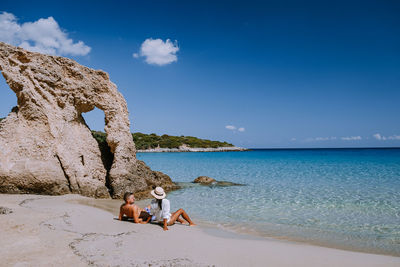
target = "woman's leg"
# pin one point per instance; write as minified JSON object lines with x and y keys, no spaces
{"x":176,"y":215}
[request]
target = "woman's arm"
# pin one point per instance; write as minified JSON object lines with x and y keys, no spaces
{"x":165,"y":213}
{"x":153,"y":208}
{"x":166,"y":208}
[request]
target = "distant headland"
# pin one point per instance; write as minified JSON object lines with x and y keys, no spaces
{"x":169,"y":143}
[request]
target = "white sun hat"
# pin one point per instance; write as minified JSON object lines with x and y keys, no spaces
{"x":158,"y":193}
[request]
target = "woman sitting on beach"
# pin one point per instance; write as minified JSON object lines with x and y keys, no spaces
{"x":129,"y":210}
{"x":160,"y":208}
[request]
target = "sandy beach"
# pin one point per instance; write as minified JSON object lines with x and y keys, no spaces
{"x":72,"y":230}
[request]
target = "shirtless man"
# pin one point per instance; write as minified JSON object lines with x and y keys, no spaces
{"x":130,"y":210}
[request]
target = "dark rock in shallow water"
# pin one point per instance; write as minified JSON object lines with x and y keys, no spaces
{"x":4,"y":210}
{"x":225,"y":183}
{"x":205,"y":180}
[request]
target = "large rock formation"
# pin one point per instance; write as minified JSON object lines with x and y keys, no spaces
{"x":46,"y":146}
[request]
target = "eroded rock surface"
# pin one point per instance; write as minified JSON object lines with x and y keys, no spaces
{"x":46,"y":146}
{"x":205,"y":180}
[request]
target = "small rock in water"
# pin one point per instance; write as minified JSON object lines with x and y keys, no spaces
{"x":225,"y":183}
{"x":4,"y":210}
{"x":204,"y":180}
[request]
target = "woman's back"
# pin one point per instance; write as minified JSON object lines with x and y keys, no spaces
{"x":162,"y":212}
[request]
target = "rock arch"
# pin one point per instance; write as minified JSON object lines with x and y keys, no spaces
{"x":45,"y":144}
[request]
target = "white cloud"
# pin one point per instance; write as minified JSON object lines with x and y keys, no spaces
{"x":351,"y":138}
{"x":321,"y":138}
{"x":310,"y":139}
{"x":8,"y":27}
{"x":43,"y":35}
{"x":377,"y":136}
{"x":345,"y":138}
{"x":234,"y":128}
{"x":380,"y":137}
{"x":293,"y":139}
{"x":158,"y":52}
{"x":394,"y":137}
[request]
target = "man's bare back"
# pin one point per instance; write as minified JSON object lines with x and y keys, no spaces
{"x":130,"y":210}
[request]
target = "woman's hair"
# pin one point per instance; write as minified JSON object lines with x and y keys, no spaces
{"x":159,"y":201}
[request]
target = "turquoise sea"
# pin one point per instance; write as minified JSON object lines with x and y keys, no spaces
{"x":344,"y":198}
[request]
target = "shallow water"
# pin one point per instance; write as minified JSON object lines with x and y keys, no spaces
{"x":347,"y":198}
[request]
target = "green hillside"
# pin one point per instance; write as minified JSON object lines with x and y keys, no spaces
{"x":145,"y":141}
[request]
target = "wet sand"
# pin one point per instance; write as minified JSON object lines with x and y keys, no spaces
{"x":72,"y":230}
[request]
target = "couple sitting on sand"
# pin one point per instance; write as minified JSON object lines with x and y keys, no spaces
{"x":158,"y":210}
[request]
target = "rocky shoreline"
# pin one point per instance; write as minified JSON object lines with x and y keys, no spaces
{"x":193,"y":149}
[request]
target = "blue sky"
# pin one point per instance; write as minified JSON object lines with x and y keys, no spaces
{"x":289,"y":73}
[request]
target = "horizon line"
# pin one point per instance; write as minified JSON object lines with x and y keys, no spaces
{"x":316,"y":148}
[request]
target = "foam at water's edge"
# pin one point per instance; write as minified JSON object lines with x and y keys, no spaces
{"x":337,"y":198}
{"x":228,"y":231}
